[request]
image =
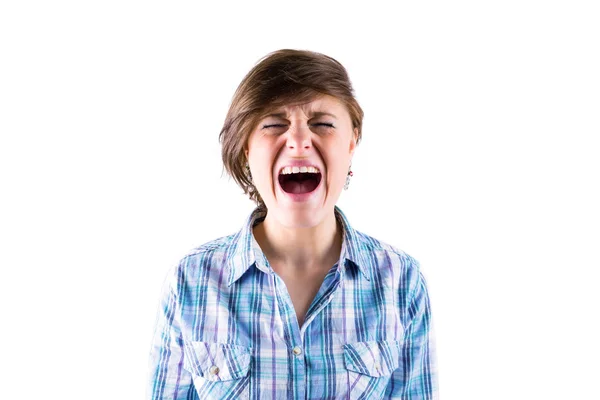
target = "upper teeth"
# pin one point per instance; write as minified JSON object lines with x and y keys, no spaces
{"x":295,"y":170}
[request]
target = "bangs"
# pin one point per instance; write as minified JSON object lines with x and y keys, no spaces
{"x":279,"y":98}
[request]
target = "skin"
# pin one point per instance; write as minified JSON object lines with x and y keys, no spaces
{"x":301,"y":240}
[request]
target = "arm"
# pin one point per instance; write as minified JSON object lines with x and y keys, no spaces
{"x":167,"y":378}
{"x":416,"y":377}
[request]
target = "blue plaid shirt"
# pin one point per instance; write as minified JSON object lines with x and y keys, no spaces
{"x":227,"y":329}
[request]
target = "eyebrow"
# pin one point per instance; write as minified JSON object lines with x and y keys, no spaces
{"x":322,"y":114}
{"x":315,"y":114}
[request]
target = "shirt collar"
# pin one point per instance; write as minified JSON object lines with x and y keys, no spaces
{"x":245,"y":251}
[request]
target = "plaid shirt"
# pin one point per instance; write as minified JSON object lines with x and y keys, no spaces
{"x":227,"y":329}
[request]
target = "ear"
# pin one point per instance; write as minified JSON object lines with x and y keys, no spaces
{"x":353,"y":141}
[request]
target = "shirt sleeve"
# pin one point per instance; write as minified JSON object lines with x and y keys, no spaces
{"x":167,"y":377}
{"x":416,"y":377}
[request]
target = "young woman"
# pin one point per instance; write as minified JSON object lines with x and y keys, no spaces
{"x":297,"y":304}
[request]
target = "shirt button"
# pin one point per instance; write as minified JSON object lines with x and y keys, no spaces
{"x":214,"y":370}
{"x":297,"y":350}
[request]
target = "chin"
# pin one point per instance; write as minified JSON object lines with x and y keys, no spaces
{"x":300,"y":218}
{"x":296,"y":215}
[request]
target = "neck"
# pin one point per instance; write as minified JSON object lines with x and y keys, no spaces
{"x":300,"y":248}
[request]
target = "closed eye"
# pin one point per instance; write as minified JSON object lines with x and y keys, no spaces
{"x":267,"y":126}
{"x":326,"y":124}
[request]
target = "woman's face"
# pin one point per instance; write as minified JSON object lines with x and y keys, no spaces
{"x":299,"y":157}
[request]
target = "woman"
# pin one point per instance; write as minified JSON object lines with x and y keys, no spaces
{"x":296,"y":305}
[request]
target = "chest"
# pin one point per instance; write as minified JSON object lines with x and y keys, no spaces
{"x":347,"y":347}
{"x":264,"y":308}
{"x":302,"y":291}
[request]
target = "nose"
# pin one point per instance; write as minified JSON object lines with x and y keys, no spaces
{"x":299,"y":138}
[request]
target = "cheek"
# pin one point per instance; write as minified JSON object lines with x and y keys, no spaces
{"x":260,"y":168}
{"x":261,"y":160}
{"x":336,"y":174}
{"x":338,"y":162}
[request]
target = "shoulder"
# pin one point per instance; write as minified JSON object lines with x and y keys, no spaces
{"x":369,"y":244}
{"x":385,"y":262}
{"x":374,"y":257}
{"x":210,"y":256}
{"x":219,"y":245}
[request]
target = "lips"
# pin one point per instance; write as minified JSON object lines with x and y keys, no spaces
{"x":299,"y":178}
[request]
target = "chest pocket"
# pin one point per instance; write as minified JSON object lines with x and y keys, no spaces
{"x":370,"y":366}
{"x":219,"y":371}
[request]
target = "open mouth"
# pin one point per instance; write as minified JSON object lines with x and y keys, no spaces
{"x":299,"y":183}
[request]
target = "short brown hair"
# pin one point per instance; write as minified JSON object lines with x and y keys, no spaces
{"x":281,"y":78}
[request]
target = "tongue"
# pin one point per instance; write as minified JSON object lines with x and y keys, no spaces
{"x":299,"y":187}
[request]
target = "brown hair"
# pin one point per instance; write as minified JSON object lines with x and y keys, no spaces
{"x":281,"y":78}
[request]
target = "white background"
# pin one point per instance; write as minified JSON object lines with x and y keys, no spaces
{"x":479,"y":158}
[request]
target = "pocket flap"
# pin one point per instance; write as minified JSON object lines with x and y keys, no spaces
{"x":216,"y":361}
{"x":375,"y":358}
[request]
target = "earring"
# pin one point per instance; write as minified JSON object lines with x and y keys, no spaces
{"x":248,"y":173}
{"x":350,"y":174}
{"x":251,"y":188}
